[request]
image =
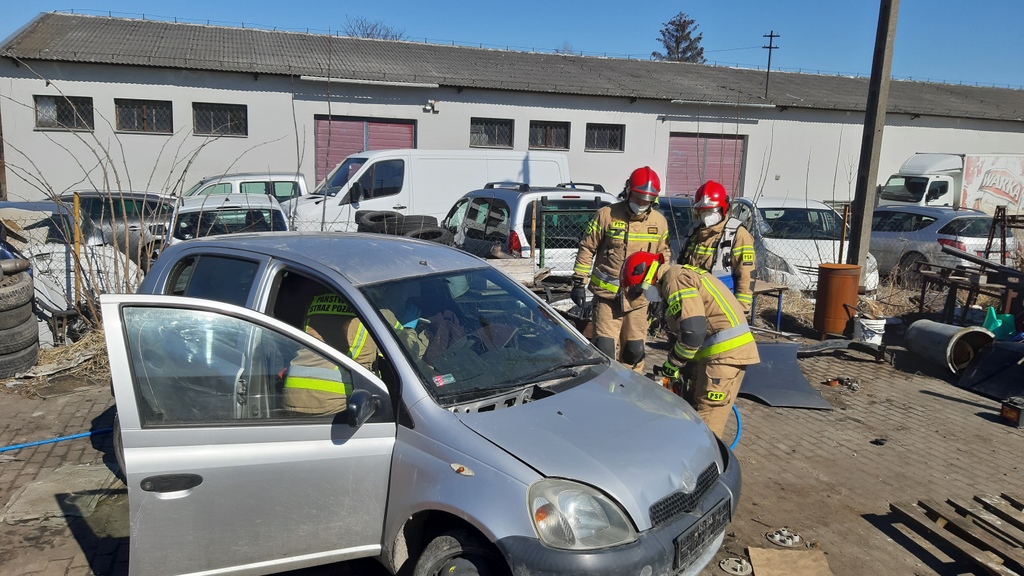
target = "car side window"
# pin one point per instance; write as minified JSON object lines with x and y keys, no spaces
{"x":498,"y":220}
{"x":476,"y":218}
{"x":254,"y":187}
{"x":456,"y":216}
{"x":284,"y":190}
{"x":384,"y":178}
{"x":222,"y":188}
{"x":201,"y":368}
{"x":219,"y":278}
{"x":920,"y":222}
{"x":879,"y":221}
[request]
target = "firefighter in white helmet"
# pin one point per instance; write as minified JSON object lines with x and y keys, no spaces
{"x":616,"y":232}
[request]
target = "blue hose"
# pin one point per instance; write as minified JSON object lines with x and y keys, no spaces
{"x":58,"y":439}
{"x":739,"y":427}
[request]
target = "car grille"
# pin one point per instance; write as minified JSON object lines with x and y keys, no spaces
{"x":680,"y":502}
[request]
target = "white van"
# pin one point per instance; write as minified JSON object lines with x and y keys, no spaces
{"x":412,"y":181}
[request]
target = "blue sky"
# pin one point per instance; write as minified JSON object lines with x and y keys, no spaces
{"x":979,"y":42}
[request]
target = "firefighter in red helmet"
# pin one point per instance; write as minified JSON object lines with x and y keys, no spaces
{"x":720,"y":244}
{"x":615,"y":233}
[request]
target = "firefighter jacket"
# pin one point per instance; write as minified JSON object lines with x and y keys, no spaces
{"x":706,"y":317}
{"x":614,"y":234}
{"x":331,"y":319}
{"x":726,"y":247}
{"x":315,"y":385}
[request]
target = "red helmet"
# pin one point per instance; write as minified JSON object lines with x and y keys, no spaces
{"x":640,"y":269}
{"x":645,"y":182}
{"x":710,"y":195}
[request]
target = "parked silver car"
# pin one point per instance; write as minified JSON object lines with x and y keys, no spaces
{"x":281,"y":185}
{"x":902,"y":236}
{"x":134,"y":222}
{"x":486,"y":433}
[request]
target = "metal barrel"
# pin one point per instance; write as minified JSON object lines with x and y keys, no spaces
{"x":946,"y":344}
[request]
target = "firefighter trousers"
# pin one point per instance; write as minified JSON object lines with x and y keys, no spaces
{"x":714,"y":390}
{"x":626,"y":330}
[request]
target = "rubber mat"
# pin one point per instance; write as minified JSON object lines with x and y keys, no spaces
{"x":778,"y":381}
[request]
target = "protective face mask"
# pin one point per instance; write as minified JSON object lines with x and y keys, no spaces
{"x":712,"y":218}
{"x":638,"y":209}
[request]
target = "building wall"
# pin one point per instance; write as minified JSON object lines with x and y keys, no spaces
{"x":788,"y":152}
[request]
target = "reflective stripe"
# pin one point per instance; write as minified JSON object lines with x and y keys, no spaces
{"x":310,"y":378}
{"x":724,"y":346}
{"x":592,"y":227}
{"x":726,"y":334}
{"x":720,"y":300}
{"x":605,"y":281}
{"x":703,"y":250}
{"x":619,"y":234}
{"x":359,"y":341}
{"x":684,"y":353}
{"x":675,"y":299}
{"x":581,"y":269}
{"x":744,"y":298}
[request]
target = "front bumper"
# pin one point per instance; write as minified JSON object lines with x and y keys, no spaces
{"x":654,"y":553}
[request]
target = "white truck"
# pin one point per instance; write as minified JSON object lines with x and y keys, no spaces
{"x":415,"y":181}
{"x":979,"y":181}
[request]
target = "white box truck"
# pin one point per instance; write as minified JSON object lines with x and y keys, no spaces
{"x":414,"y":181}
{"x":979,"y":181}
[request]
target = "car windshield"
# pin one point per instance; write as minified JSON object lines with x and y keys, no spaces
{"x":904,"y":188}
{"x":342,"y":174}
{"x":215,"y":222}
{"x":802,"y":223}
{"x":472,"y":334}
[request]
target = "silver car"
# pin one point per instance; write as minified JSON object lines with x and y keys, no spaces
{"x":486,"y":433}
{"x":902,"y":236}
{"x":136,"y":223}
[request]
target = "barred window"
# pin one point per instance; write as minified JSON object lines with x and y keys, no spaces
{"x":491,"y":132}
{"x":220,"y":119}
{"x":143,"y":115}
{"x":549,"y":134}
{"x":64,"y":112}
{"x":606,"y":137}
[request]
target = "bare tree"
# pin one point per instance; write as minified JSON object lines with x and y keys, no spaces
{"x":681,"y":40}
{"x":362,"y":28}
{"x":565,"y":49}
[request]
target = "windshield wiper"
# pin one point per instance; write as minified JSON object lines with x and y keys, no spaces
{"x":560,"y":371}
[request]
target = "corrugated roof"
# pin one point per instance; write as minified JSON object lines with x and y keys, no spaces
{"x":123,"y":41}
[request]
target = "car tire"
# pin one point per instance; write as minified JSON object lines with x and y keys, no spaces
{"x":19,"y":337}
{"x":15,"y":291}
{"x":909,"y":275}
{"x":432,"y":234}
{"x":17,"y":362}
{"x":460,"y":552}
{"x":379,"y":221}
{"x":15,"y":316}
{"x":415,"y":222}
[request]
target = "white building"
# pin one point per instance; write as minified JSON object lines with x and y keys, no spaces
{"x":97,"y":102}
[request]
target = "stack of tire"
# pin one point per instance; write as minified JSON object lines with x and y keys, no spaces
{"x":19,"y":333}
{"x":413,"y":226}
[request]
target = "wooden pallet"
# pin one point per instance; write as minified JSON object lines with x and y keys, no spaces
{"x":987,"y":531}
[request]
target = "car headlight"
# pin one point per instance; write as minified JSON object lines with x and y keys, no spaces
{"x":572,"y":516}
{"x":776,"y":262}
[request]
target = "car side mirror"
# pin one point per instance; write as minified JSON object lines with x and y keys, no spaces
{"x":356,"y":192}
{"x":361,"y":405}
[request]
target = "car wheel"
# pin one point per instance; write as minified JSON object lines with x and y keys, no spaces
{"x":910,"y":276}
{"x":415,"y":222}
{"x":15,"y":290}
{"x":459,"y":553}
{"x":19,"y":337}
{"x":435,"y":234}
{"x":378,"y":220}
{"x":17,"y":362}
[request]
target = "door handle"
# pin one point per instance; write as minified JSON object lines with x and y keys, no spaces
{"x":399,"y":207}
{"x":171,"y":482}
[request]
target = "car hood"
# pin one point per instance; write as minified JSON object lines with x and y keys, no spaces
{"x":811,"y":252}
{"x":620,"y":432}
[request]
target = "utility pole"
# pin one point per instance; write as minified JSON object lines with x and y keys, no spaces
{"x":771,"y":36}
{"x":871,"y":142}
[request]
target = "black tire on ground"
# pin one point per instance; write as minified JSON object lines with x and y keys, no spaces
{"x":11,"y":364}
{"x":19,"y":337}
{"x":16,"y":316}
{"x":415,"y":222}
{"x":910,"y":276}
{"x":460,"y":552}
{"x":434,"y":234}
{"x":15,"y":290}
{"x":371,"y":218}
{"x":118,"y":447}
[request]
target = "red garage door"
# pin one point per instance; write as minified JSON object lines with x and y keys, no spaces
{"x":339,"y":137}
{"x":693,"y":159}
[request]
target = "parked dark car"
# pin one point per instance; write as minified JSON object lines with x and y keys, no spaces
{"x":136,"y":223}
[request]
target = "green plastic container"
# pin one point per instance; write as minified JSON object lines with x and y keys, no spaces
{"x":999,"y":324}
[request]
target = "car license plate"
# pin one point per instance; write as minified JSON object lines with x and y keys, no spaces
{"x":691,"y":543}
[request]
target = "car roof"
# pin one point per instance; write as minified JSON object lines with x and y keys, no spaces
{"x":937,"y":211}
{"x":671,"y":200}
{"x":361,"y":258}
{"x":236,"y":175}
{"x":787,"y":202}
{"x":517,"y":190}
{"x":227,"y":201}
{"x":37,"y":206}
{"x":117,"y":193}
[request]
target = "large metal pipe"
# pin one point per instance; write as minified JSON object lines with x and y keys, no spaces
{"x":946,"y":344}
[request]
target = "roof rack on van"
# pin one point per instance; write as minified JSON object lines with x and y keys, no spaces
{"x":594,"y":187}
{"x":520,"y":186}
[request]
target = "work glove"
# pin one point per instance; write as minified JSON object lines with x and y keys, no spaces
{"x":670,"y":370}
{"x":578,"y":294}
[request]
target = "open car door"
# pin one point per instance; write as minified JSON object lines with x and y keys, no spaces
{"x":221,"y":475}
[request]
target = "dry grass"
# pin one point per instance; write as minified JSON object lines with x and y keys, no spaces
{"x":68,"y":362}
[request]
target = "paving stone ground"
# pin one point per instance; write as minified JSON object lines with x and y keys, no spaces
{"x":815,"y":472}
